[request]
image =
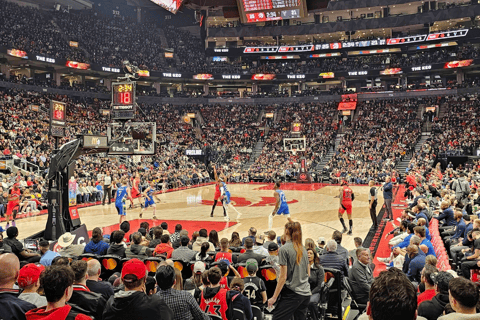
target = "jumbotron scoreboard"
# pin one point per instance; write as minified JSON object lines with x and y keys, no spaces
{"x":252,"y":11}
{"x":123,"y":100}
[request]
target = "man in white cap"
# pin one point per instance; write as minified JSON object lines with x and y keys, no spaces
{"x":68,"y":248}
{"x":199,"y":267}
{"x":321,"y":245}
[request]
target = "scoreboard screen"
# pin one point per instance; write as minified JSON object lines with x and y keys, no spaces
{"x":255,"y":5}
{"x":252,"y":11}
{"x":123,"y":100}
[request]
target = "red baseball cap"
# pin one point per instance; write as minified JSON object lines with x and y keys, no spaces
{"x":29,"y":275}
{"x":135,"y":267}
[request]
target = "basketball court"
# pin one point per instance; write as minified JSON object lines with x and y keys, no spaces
{"x":315,"y":206}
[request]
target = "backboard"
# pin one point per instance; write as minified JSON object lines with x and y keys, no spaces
{"x":294,"y":145}
{"x":132,"y":138}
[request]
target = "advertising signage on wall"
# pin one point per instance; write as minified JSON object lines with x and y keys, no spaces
{"x":458,"y":64}
{"x":447,"y":34}
{"x":263,"y":76}
{"x":303,"y":48}
{"x":422,"y":68}
{"x":260,"y":49}
{"x":406,"y":40}
{"x":391,"y":71}
{"x":327,"y":75}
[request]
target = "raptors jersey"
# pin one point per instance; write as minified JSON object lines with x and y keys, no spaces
{"x":216,"y":305}
{"x":347,"y":194}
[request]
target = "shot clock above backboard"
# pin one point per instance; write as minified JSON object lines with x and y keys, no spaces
{"x":123,"y":100}
{"x":58,"y":116}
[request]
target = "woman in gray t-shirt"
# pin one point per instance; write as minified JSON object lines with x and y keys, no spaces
{"x":292,"y":284}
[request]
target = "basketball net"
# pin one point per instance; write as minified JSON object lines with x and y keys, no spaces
{"x":294,"y":152}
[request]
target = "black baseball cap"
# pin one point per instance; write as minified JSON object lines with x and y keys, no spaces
{"x":272,"y":246}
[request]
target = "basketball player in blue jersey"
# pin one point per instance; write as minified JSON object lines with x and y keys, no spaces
{"x":225,"y":196}
{"x":123,"y":192}
{"x":149,"y":201}
{"x":281,"y":206}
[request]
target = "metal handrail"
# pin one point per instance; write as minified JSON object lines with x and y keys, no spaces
{"x":24,"y":165}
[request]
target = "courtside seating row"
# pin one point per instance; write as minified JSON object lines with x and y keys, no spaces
{"x":442,"y":256}
{"x":111,"y":264}
{"x":331,"y":300}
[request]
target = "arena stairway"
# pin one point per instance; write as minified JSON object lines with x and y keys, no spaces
{"x":330,"y":153}
{"x":402,"y":166}
{"x":256,"y":152}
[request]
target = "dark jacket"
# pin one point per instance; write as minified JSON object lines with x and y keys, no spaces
{"x":117,"y":250}
{"x":433,"y":309}
{"x":448,"y":215}
{"x":5,"y":248}
{"x":12,"y":308}
{"x":239,"y":301}
{"x":361,"y":280}
{"x":136,"y":305}
{"x":102,"y":287}
{"x":249,"y":254}
{"x":316,"y":279}
{"x":415,"y":266}
{"x":342,"y":251}
{"x":459,"y":229}
{"x":90,"y":303}
{"x":335,"y":261}
{"x":136,"y":251}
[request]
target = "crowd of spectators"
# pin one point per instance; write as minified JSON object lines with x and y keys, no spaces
{"x":28,"y":29}
{"x":111,"y":40}
{"x":456,"y":131}
{"x":231,"y":132}
{"x":74,"y":282}
{"x":380,"y":135}
{"x":319,"y":126}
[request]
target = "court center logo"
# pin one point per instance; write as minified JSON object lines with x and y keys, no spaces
{"x":242,"y":202}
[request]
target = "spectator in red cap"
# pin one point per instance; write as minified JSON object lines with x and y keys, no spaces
{"x":57,"y":282}
{"x":29,"y":281}
{"x":134,"y":303}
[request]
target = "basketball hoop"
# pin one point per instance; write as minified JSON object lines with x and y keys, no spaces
{"x":294,"y":152}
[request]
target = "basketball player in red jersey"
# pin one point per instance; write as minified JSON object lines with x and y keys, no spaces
{"x":346,"y":198}
{"x":213,"y":299}
{"x":218,"y":194}
{"x":13,"y":201}
{"x":136,"y":190}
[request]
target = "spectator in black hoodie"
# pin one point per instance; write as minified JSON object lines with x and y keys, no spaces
{"x":134,"y":303}
{"x":434,"y":308}
{"x":136,"y":250}
{"x":238,"y":300}
{"x":83,"y":300}
{"x":117,"y":248}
